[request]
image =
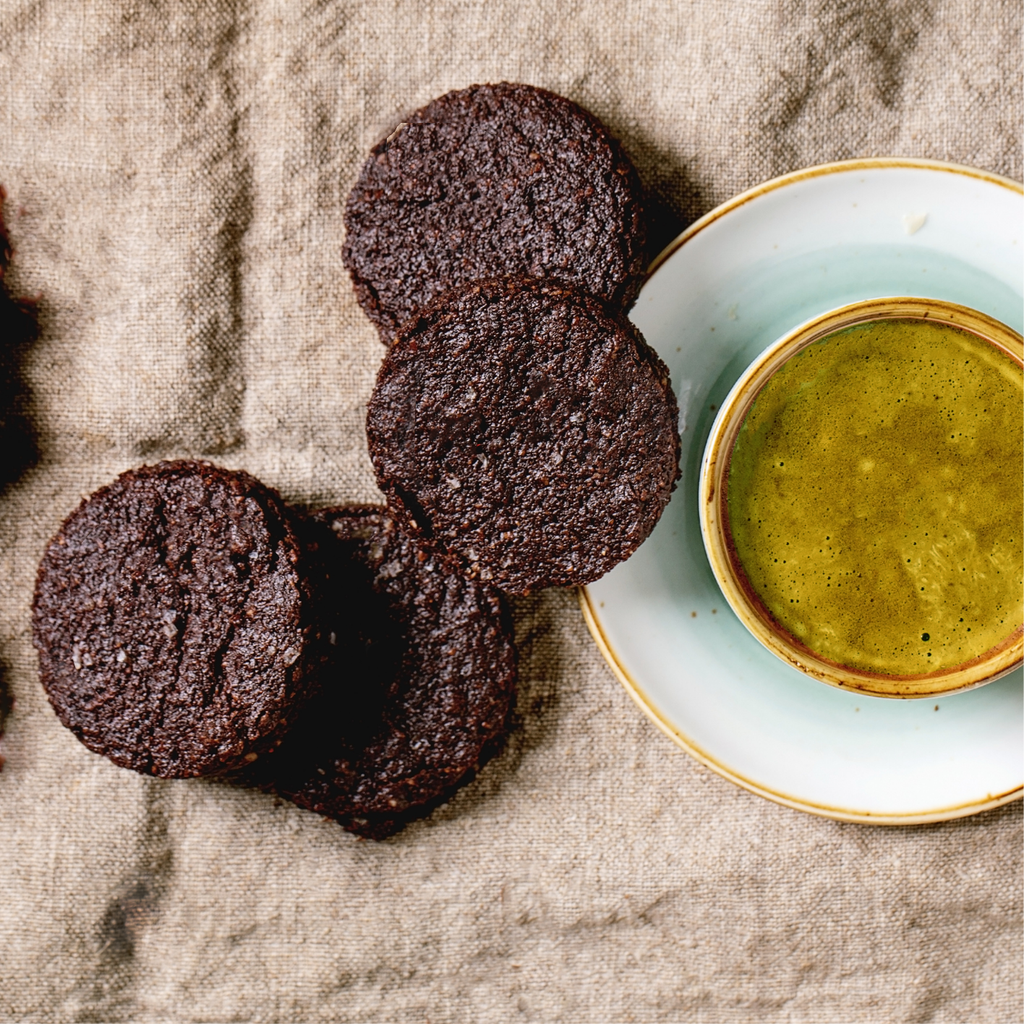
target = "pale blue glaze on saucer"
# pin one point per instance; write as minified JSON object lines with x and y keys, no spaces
{"x":735,"y":281}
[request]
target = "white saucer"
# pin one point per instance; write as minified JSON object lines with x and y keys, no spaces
{"x":729,"y":286}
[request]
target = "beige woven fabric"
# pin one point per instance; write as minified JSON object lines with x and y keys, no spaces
{"x":177,"y":173}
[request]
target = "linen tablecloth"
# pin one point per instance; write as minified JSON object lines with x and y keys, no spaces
{"x":176,"y":176}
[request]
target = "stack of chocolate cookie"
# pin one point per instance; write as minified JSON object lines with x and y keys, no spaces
{"x":519,"y":421}
{"x":360,"y":660}
{"x":189,"y":623}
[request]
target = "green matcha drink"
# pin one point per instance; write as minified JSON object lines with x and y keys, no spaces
{"x":875,"y":497}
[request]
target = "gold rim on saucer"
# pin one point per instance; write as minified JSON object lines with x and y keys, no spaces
{"x":674,"y":723}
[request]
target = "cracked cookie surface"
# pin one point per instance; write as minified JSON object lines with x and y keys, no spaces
{"x":172,"y":620}
{"x":528,"y":430}
{"x":491,"y":180}
{"x":422,"y":684}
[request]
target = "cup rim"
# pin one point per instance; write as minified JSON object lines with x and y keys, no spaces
{"x":736,"y":589}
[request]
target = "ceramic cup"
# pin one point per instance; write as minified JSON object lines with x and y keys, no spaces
{"x":860,"y":498}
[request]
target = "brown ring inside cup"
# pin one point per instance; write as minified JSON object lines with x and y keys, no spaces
{"x":726,"y":563}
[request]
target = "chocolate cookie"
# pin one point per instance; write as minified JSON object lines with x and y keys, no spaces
{"x":493,"y":180}
{"x":435,"y":662}
{"x":172,"y":619}
{"x":528,"y":430}
{"x":18,"y":328}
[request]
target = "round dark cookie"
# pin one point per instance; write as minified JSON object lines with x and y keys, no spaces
{"x":493,"y":180}
{"x":172,"y":619}
{"x":18,"y":328}
{"x":526,"y":429}
{"x":423,"y":682}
